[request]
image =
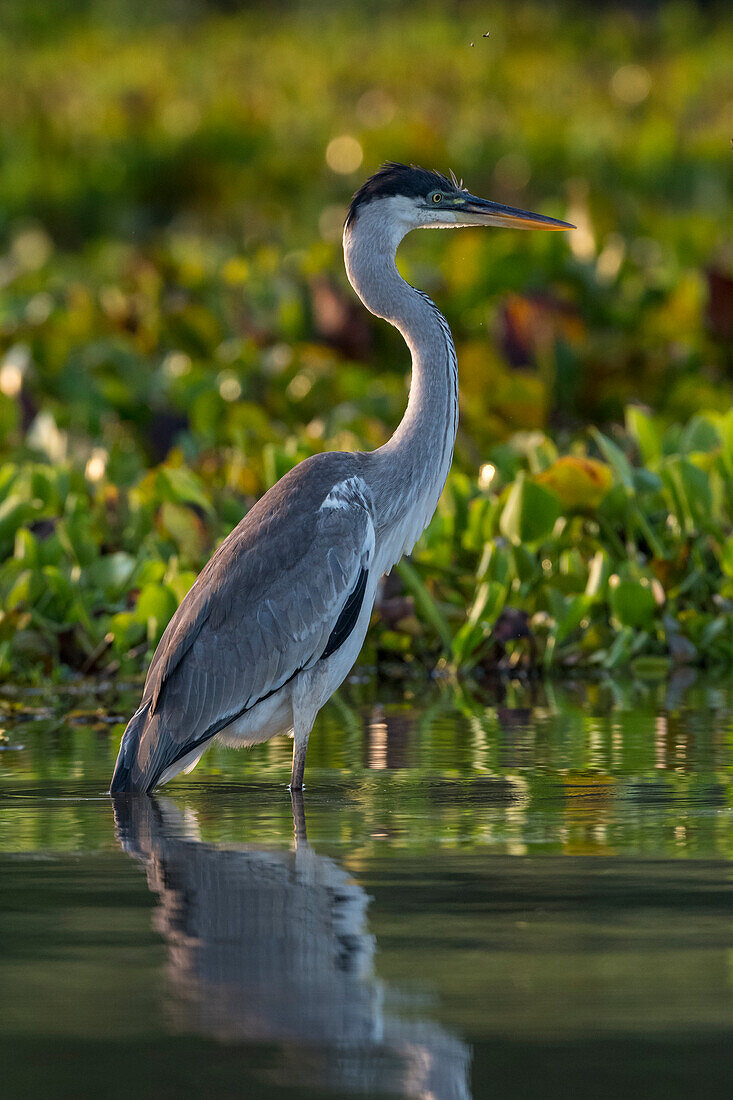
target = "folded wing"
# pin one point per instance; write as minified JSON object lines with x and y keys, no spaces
{"x":278,"y":595}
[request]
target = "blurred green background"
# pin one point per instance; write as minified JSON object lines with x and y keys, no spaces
{"x":176,"y":328}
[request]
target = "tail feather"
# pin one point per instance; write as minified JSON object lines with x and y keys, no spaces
{"x":129,"y":777}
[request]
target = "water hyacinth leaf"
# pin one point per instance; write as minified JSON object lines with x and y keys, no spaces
{"x":478,"y":528}
{"x":15,"y":511}
{"x":424,"y":602}
{"x":181,"y":582}
{"x":28,"y":587}
{"x":497,"y":563}
{"x":156,"y":605}
{"x":26,"y":547}
{"x":621,"y":649}
{"x":507,"y":462}
{"x":530,"y":512}
{"x":52,"y":485}
{"x":596,"y":573}
{"x":466,"y":644}
{"x":526,"y":565}
{"x":181,"y":486}
{"x":632,"y":603}
{"x":477,"y":607}
{"x":185,"y":528}
{"x":75,"y":533}
{"x":59,"y":594}
{"x":567,"y":612}
{"x":646,"y":481}
{"x":713,"y":630}
{"x":127,"y":629}
{"x":645,"y":431}
{"x":111,"y":572}
{"x":8,"y":477}
{"x":689,"y":488}
{"x":700,"y":434}
{"x":149,"y":572}
{"x":614,"y":506}
{"x":489,"y":601}
{"x":615,"y":458}
{"x":580,"y":483}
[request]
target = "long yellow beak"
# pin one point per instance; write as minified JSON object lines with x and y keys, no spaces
{"x":475,"y":211}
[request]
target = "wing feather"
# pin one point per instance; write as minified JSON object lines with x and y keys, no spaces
{"x":264,"y":607}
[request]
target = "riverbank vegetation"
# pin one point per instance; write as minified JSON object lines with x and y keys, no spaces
{"x":176,"y":329}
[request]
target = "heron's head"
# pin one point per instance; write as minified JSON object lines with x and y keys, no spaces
{"x":413,"y":198}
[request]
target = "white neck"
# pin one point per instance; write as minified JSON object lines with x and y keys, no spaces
{"x":408,"y":473}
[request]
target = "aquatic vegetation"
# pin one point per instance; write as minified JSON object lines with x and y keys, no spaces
{"x":175,"y":330}
{"x":580,"y":559}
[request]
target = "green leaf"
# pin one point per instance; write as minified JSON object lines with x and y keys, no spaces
{"x":530,"y":512}
{"x":465,"y":643}
{"x":156,"y":605}
{"x":595,"y":574}
{"x":651,"y":667}
{"x":632,"y":603}
{"x":112,"y":572}
{"x":127,"y":629}
{"x":425,"y":605}
{"x":15,"y":510}
{"x":149,"y":572}
{"x":180,"y":486}
{"x":646,"y":481}
{"x":700,"y":434}
{"x":616,"y":458}
{"x":26,"y":590}
{"x":646,"y":432}
{"x":574,"y":609}
{"x":185,"y":528}
{"x":689,"y":488}
{"x":75,"y":535}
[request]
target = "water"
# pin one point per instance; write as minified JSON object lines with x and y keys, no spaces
{"x":526,"y":893}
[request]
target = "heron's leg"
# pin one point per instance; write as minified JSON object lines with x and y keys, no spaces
{"x":305,"y":702}
{"x":300,"y":748}
{"x":303,"y":719}
{"x":300,"y":836}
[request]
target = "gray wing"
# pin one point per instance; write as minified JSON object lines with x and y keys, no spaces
{"x":273,"y":600}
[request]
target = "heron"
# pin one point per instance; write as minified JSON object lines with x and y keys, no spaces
{"x":276,"y":619}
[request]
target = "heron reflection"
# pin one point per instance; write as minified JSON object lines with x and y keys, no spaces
{"x":273,"y":947}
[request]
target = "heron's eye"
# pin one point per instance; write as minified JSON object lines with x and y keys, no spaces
{"x":437,"y":197}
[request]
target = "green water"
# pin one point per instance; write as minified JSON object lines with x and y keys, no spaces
{"x":523,"y":893}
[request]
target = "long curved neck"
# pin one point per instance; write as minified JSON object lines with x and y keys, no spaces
{"x":408,"y":473}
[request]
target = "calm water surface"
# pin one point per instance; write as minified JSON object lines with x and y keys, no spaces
{"x":523,"y":893}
